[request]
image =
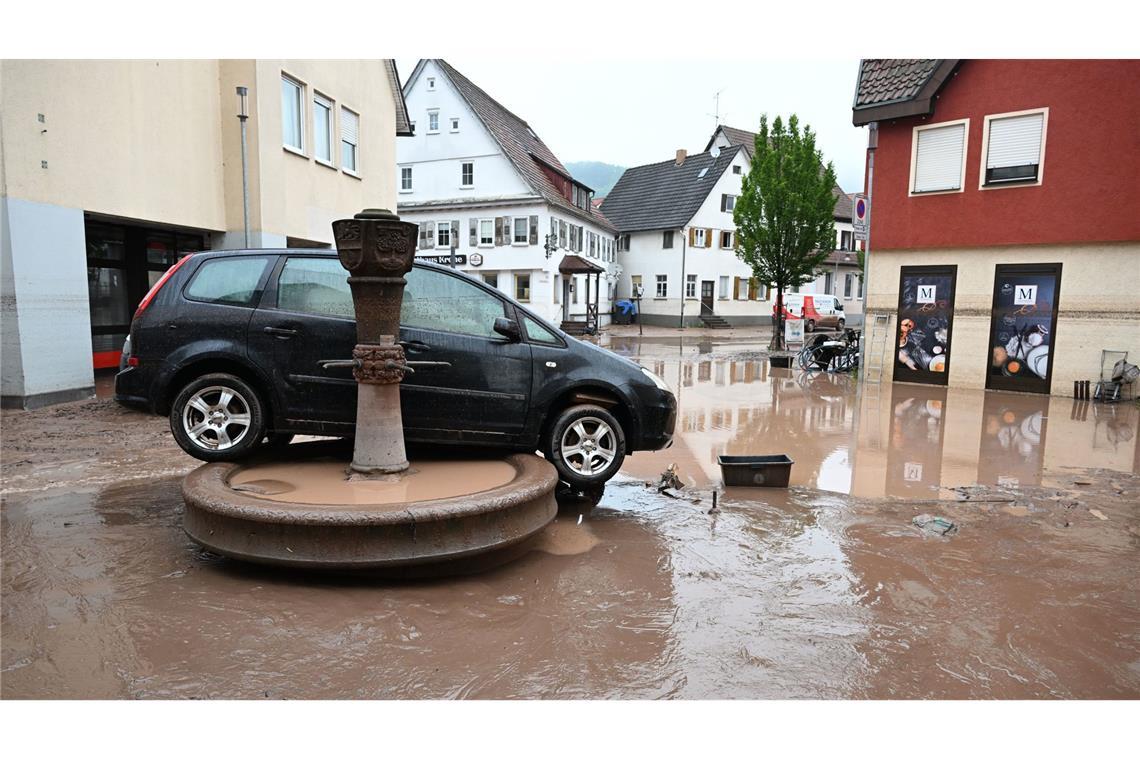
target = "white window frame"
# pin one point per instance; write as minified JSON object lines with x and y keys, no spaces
{"x":411,"y":179}
{"x":914,"y":157}
{"x":431,"y":84}
{"x":433,"y":112}
{"x":462,"y":184}
{"x":329,"y":105}
{"x":301,"y":99}
{"x":690,"y":286}
{"x":731,"y":239}
{"x":723,"y":287}
{"x":454,"y":121}
{"x":729,"y":203}
{"x":529,"y":287}
{"x":661,"y":282}
{"x":439,"y":227}
{"x":986,"y":149}
{"x":526,"y":226}
{"x":479,"y":233}
{"x":700,"y":238}
{"x":354,"y":170}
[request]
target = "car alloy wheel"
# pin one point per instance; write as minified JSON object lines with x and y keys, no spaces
{"x":589,"y":446}
{"x":216,"y":418}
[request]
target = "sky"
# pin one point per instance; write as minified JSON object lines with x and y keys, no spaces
{"x":633,"y":112}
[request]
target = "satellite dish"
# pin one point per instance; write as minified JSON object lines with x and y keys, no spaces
{"x":715,"y":151}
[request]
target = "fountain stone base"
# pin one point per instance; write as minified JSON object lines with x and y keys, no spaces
{"x":310,"y":513}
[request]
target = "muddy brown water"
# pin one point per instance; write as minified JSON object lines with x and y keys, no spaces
{"x":825,"y":589}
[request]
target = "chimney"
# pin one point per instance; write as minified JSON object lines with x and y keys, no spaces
{"x":682,"y":154}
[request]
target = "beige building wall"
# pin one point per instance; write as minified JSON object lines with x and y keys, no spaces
{"x":1099,"y":305}
{"x":136,"y":139}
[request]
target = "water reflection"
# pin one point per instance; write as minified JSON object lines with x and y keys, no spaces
{"x":898,"y":439}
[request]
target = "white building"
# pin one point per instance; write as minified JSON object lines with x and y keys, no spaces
{"x":677,"y":238}
{"x":476,"y":177}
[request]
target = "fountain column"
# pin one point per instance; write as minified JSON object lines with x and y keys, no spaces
{"x":377,"y":249}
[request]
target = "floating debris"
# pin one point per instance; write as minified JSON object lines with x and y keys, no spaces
{"x":937,"y":526}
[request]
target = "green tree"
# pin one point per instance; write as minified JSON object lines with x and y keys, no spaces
{"x":784,"y":216}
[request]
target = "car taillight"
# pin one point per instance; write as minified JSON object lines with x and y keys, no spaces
{"x":158,"y":286}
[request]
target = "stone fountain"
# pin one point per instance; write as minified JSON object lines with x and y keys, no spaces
{"x":381,"y":511}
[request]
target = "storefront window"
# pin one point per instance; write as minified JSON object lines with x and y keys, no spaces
{"x":1022,"y":326}
{"x":925,"y":318}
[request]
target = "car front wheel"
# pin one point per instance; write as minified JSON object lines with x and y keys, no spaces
{"x":586,"y":444}
{"x":217,"y":418}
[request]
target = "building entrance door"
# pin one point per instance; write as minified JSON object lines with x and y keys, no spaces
{"x":707,"y":296}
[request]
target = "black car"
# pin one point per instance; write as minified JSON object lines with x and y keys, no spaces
{"x":229,"y":344}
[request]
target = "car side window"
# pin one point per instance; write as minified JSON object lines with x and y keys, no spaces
{"x":232,"y":280}
{"x":313,"y":285}
{"x":538,"y":333}
{"x":437,"y":301}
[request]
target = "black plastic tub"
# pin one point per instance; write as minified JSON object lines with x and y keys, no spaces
{"x":783,"y":362}
{"x":768,"y":471}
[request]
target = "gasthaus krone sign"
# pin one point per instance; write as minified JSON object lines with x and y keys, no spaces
{"x":925,"y":319}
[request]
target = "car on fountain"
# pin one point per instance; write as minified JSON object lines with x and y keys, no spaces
{"x":229,"y":345}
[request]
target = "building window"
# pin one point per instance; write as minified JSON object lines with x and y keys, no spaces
{"x":726,"y":239}
{"x":723,"y":294}
{"x":322,"y":128}
{"x":486,"y":232}
{"x":454,"y":124}
{"x":467,"y":174}
{"x":443,"y":234}
{"x":727,"y":202}
{"x":520,"y":234}
{"x":491,"y":278}
{"x":405,"y":179}
{"x":431,"y":84}
{"x":292,"y":122}
{"x":349,"y":137}
{"x":557,"y":288}
{"x":1013,"y":148}
{"x":662,"y":285}
{"x":635,"y":285}
{"x":623,"y":242}
{"x":667,"y":239}
{"x":522,"y":288}
{"x":938,"y":159}
{"x":700,"y":240}
{"x":846,"y":240}
{"x":827,"y":283}
{"x":433,"y":122}
{"x":562,"y":241}
{"x":736,"y":170}
{"x":690,"y":286}
{"x":848,"y":283}
{"x":859,"y":293}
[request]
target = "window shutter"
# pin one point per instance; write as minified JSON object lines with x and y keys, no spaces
{"x":455,"y":232}
{"x":553,"y":229}
{"x":534,"y":230}
{"x":473,"y":230}
{"x":938,"y":164}
{"x":753,"y":288}
{"x":692,"y":236}
{"x":349,"y":126}
{"x":724,"y":201}
{"x":1015,"y":141}
{"x":498,"y":230}
{"x":736,"y":288}
{"x":423,"y":236}
{"x":431,"y":234}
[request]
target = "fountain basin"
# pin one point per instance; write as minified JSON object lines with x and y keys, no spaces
{"x":311,"y":515}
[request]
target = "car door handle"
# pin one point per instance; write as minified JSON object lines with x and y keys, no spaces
{"x":415,"y":346}
{"x":280,"y":332}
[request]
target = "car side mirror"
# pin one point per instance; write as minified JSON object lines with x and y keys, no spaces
{"x":508,"y":328}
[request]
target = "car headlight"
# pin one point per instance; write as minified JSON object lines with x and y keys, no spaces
{"x":656,"y":380}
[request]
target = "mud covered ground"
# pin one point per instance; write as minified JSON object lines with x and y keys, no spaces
{"x":826,"y":589}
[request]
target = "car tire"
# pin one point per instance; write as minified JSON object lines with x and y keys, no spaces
{"x":586,"y":444}
{"x":809,"y":326}
{"x":218,"y":418}
{"x":840,"y":325}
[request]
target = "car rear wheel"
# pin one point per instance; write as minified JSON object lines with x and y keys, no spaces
{"x":218,"y":418}
{"x":586,"y":444}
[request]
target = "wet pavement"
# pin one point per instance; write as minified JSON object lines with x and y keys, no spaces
{"x":826,"y":589}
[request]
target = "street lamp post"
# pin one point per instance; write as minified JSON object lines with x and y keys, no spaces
{"x":243,"y":115}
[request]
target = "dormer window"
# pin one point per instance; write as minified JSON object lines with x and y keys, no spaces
{"x":431,"y":84}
